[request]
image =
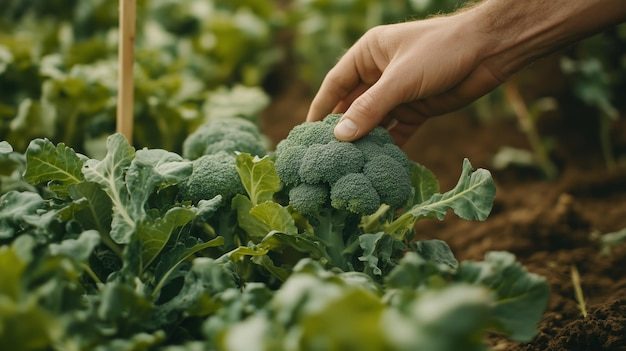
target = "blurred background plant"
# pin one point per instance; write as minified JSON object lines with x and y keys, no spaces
{"x":202,"y":59}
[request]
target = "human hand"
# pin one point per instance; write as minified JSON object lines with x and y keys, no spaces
{"x":399,"y":75}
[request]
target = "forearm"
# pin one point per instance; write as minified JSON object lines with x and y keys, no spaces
{"x":519,"y":31}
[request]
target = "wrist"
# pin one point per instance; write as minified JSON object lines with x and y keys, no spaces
{"x":514,"y":33}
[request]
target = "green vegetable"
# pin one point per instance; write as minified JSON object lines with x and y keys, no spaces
{"x":360,"y":176}
{"x":225,"y":134}
{"x":212,"y":175}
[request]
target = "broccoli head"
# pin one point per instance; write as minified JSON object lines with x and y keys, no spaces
{"x":225,"y":134}
{"x":213,"y":175}
{"x":354,"y":192}
{"x":356,"y":176}
{"x":308,"y":198}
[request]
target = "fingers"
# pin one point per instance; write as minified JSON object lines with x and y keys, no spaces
{"x":478,"y":83}
{"x":337,"y":84}
{"x":345,"y":103}
{"x":369,"y":109}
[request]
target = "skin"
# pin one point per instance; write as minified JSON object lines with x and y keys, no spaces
{"x":401,"y":74}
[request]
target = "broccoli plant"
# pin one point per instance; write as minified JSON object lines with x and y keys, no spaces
{"x":150,"y":250}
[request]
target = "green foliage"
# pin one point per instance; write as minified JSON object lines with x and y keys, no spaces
{"x":113,"y":257}
{"x":58,"y":70}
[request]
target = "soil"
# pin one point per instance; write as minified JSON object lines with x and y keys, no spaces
{"x":550,"y":225}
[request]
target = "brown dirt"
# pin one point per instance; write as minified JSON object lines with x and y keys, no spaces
{"x":548,"y":225}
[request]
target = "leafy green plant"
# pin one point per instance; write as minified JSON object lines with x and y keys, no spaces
{"x":110,"y":254}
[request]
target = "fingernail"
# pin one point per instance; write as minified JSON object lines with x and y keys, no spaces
{"x":345,"y":129}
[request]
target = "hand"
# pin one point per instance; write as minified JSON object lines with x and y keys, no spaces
{"x":399,"y":75}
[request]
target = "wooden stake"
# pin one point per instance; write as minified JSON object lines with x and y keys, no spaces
{"x":125,"y":68}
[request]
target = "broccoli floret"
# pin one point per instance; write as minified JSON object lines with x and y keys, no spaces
{"x":213,"y":175}
{"x":368,"y":147}
{"x":333,"y":119}
{"x":329,"y":162}
{"x":389,"y":178}
{"x":378,"y":170}
{"x":308,"y":199}
{"x":224,"y":134}
{"x":288,"y":164}
{"x":397,"y":154}
{"x":355,"y":193}
{"x":311,"y":133}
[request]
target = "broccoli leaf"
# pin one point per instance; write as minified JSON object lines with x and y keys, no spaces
{"x":15,"y":207}
{"x":254,"y":227}
{"x":183,"y":249}
{"x":153,"y":234}
{"x":110,"y":175}
{"x":471,"y":199}
{"x":258,"y":177}
{"x":424,"y":183}
{"x":80,"y":248}
{"x":521,"y":297}
{"x":151,"y":169}
{"x":451,"y":318}
{"x":414,"y":272}
{"x":5,"y":147}
{"x":436,"y":251}
{"x":91,"y":206}
{"x":275,"y":217}
{"x":59,"y":165}
{"x":377,"y":251}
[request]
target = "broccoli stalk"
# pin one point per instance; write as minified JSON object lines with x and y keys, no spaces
{"x":330,"y":230}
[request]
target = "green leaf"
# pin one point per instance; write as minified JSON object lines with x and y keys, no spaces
{"x":92,"y":207}
{"x":377,"y":251}
{"x":109,"y":174}
{"x":15,"y":208}
{"x":258,"y":177}
{"x":352,"y":319}
{"x":452,"y":318}
{"x":205,"y":280}
{"x":182,"y":251}
{"x":275,"y":217}
{"x":206,"y":208}
{"x":436,"y":251}
{"x":154,"y":233}
{"x":78,"y":249}
{"x":255,"y":228}
{"x":11,"y":274}
{"x":152,"y":169}
{"x":471,"y":199}
{"x":5,"y":147}
{"x":521,"y":297}
{"x":58,"y":165}
{"x":307,"y":245}
{"x":414,"y":272}
{"x":424,"y":183}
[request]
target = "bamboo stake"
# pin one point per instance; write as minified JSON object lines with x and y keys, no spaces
{"x":125,"y":68}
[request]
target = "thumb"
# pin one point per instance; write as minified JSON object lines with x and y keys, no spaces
{"x":368,"y":110}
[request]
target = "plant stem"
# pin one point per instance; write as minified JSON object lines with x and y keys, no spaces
{"x":92,"y":275}
{"x":578,"y":291}
{"x":527,"y":125}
